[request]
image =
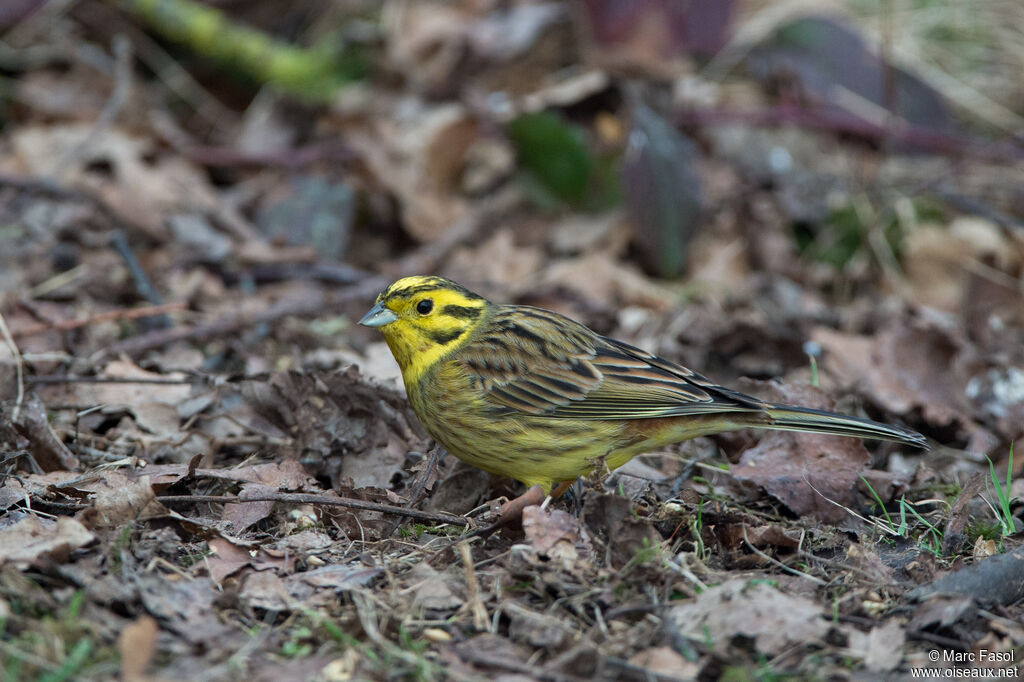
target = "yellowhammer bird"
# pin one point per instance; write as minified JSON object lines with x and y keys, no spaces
{"x":528,"y":393}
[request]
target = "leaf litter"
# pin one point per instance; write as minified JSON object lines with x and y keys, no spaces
{"x":210,"y":472}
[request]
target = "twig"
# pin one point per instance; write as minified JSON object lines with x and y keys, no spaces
{"x":143,"y":286}
{"x":296,"y":157}
{"x":76,"y":379}
{"x":476,"y":604}
{"x":419,"y":484}
{"x":303,"y":498}
{"x":111,"y":108}
{"x":106,"y":316}
{"x":19,"y":368}
{"x":778,"y":563}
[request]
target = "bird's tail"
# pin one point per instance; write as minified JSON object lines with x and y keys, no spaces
{"x":789,"y":418}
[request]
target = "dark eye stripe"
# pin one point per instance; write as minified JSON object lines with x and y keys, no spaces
{"x":461,"y":312}
{"x":444,"y":337}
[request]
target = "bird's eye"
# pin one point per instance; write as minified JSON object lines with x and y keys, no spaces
{"x":425,"y":306}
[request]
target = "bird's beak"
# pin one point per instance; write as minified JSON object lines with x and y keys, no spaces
{"x":378,"y":316}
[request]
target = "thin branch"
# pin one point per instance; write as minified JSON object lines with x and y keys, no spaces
{"x":106,"y":316}
{"x":77,"y":379}
{"x":302,"y":498}
{"x":19,"y":368}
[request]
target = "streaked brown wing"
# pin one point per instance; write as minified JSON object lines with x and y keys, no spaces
{"x":538,"y":362}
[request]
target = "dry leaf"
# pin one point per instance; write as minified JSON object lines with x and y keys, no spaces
{"x":773,"y":619}
{"x":882,"y":648}
{"x":137,"y":644}
{"x":808,"y":472}
{"x":29,"y":539}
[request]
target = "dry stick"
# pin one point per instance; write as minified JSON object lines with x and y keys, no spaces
{"x":143,"y":286}
{"x":476,"y":604}
{"x":78,"y":379}
{"x":119,"y":97}
{"x":778,"y":563}
{"x":302,"y":498}
{"x":419,"y":485}
{"x":19,"y":368}
{"x":106,"y":316}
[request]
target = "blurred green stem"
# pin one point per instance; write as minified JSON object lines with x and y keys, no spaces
{"x":309,"y":73}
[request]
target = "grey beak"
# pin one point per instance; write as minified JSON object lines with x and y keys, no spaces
{"x":378,"y":316}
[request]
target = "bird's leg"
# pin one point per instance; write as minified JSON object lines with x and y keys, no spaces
{"x":513,"y":509}
{"x":560,"y":490}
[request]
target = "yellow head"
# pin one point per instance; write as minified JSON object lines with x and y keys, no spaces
{"x":423,"y":319}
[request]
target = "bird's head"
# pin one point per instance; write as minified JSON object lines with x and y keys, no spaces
{"x":423,"y":318}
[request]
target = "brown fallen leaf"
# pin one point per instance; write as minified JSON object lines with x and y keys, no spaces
{"x":140,"y":187}
{"x":265,"y":590}
{"x":664,"y":660}
{"x":536,"y":629}
{"x":30,"y":539}
{"x":341,"y":424}
{"x":772,"y":535}
{"x":226,"y":559}
{"x":773,"y":619}
{"x":808,"y":472}
{"x":186,"y":608}
{"x":245,"y":514}
{"x":611,"y":519}
{"x":881,"y":649}
{"x":433,"y":590}
{"x":134,"y":501}
{"x":896,"y":367}
{"x":871,"y":566}
{"x":137,"y":644}
{"x":32,"y":424}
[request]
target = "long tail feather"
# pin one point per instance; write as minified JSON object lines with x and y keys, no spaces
{"x":789,"y":418}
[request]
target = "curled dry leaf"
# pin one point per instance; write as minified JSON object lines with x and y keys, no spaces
{"x":32,"y":424}
{"x":132,"y":502}
{"x":554,"y":538}
{"x":341,"y":425}
{"x":28,"y":540}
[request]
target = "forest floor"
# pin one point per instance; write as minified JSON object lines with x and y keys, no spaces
{"x":208,"y":471}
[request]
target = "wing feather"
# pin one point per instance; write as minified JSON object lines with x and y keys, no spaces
{"x":541,"y":363}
